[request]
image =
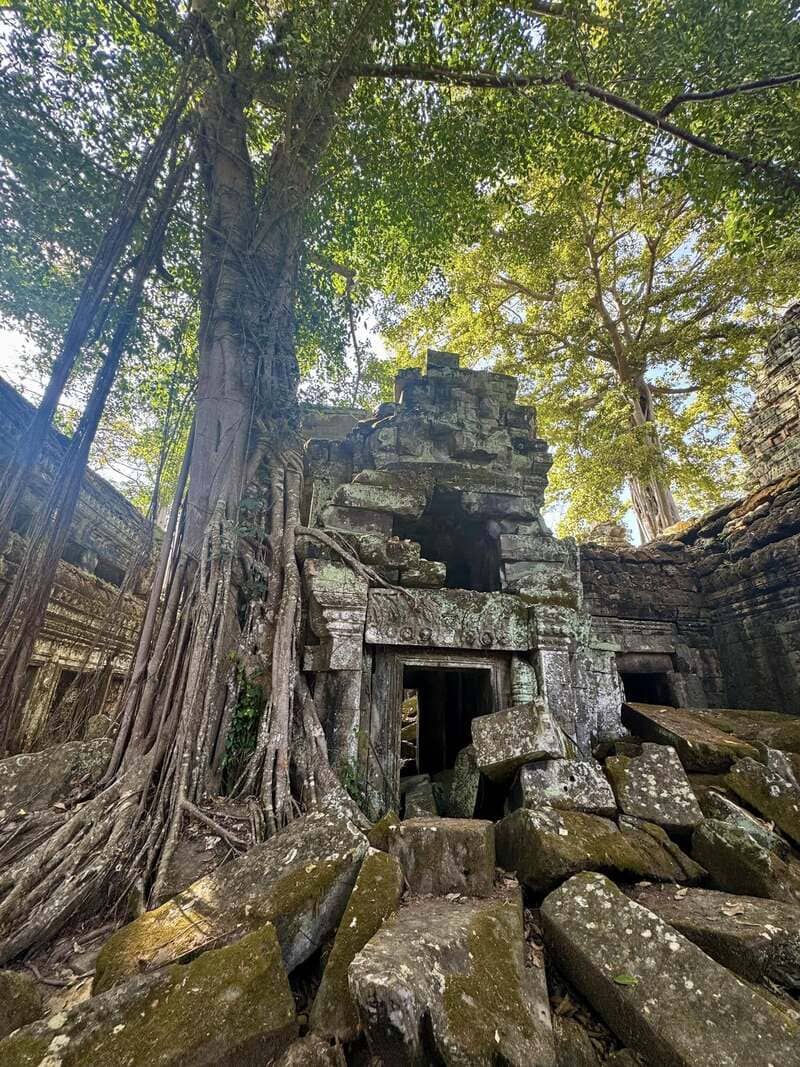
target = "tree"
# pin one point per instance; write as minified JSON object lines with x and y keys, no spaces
{"x":285,"y":109}
{"x":630,"y":322}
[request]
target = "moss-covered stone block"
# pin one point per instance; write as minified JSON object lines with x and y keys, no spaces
{"x":300,"y":880}
{"x":654,"y":786}
{"x":776,"y":797}
{"x":378,"y":834}
{"x":376,"y":895}
{"x":21,"y":1001}
{"x":446,"y":982}
{"x":546,"y":847}
{"x":231,"y":1007}
{"x":657,"y":991}
{"x":441,"y":856}
{"x":738,"y":863}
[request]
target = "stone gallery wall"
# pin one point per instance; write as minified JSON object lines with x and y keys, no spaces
{"x":90,"y":625}
{"x":647,"y":604}
{"x":746,"y":557}
{"x":722,"y":597}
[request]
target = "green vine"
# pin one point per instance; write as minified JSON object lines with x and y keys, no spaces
{"x":243,"y":730}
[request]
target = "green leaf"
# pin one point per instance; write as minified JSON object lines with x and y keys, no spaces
{"x":626,"y":979}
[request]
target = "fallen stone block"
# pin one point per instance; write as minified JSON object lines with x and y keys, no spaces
{"x":511,"y":738}
{"x":756,"y":726}
{"x":716,"y":805}
{"x":445,"y":982}
{"x":424,"y":574}
{"x":33,"y":781}
{"x":378,"y":834}
{"x":464,"y":786}
{"x":738,"y":863}
{"x":312,"y":1051}
{"x":441,"y":856}
{"x":545,"y":847}
{"x":753,"y":937}
{"x":657,"y":991}
{"x":700,"y":745}
{"x":420,"y":801}
{"x":574,"y":1047}
{"x":654,"y":787}
{"x":230,"y":1007}
{"x":376,"y":895}
{"x":21,"y":1001}
{"x":571,"y":785}
{"x":300,"y":880}
{"x":770,"y":793}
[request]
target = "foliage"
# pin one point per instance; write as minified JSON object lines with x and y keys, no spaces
{"x":243,"y":730}
{"x":585,"y":294}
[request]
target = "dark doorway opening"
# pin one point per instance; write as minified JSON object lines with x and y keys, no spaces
{"x":447,"y":700}
{"x":446,"y":533}
{"x":647,"y":688}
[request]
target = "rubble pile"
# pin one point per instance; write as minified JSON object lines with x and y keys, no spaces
{"x":639,"y":906}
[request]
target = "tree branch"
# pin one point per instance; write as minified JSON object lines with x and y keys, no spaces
{"x":559,"y":10}
{"x":492,"y":80}
{"x":156,"y":29}
{"x":728,"y":90}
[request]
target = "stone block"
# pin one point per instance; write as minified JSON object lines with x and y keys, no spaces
{"x":359,"y":519}
{"x":387,"y":552}
{"x":312,"y":1051}
{"x":506,"y":740}
{"x":653,"y":786}
{"x":571,"y":785}
{"x":420,"y":801}
{"x":776,"y":797}
{"x":376,"y":895}
{"x":657,"y":991}
{"x":33,"y":781}
{"x":300,"y":880}
{"x":441,"y":856}
{"x":700,"y":745}
{"x":378,"y":834}
{"x":547,"y":846}
{"x":716,"y":805}
{"x":230,"y":1007}
{"x":574,"y":1047}
{"x":447,"y":618}
{"x":738,"y":863}
{"x":465,"y":785}
{"x":424,"y":574}
{"x":21,"y":1001}
{"x":445,"y":982}
{"x":755,"y":938}
{"x":500,"y":506}
{"x":396,"y":500}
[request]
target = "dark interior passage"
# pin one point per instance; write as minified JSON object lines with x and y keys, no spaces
{"x":448,"y":699}
{"x":447,"y":534}
{"x":647,"y":688}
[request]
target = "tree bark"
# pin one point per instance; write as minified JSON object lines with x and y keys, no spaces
{"x":651,"y":496}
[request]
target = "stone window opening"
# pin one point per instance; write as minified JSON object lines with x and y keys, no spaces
{"x":647,"y":687}
{"x":445,"y":532}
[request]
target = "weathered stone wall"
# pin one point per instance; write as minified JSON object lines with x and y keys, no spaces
{"x":746,"y":557}
{"x":89,"y":626}
{"x":647,"y":602}
{"x":771,"y":441}
{"x":722,"y":597}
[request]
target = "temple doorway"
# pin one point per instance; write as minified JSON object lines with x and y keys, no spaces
{"x":439,"y":704}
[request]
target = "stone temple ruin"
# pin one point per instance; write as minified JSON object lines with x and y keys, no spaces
{"x":582,"y":844}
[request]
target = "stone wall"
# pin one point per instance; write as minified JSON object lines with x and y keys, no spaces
{"x":90,"y":626}
{"x":721,"y":598}
{"x":771,"y":441}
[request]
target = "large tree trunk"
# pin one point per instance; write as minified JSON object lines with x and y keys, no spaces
{"x":651,"y":495}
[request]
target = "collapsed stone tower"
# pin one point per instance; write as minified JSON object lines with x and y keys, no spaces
{"x":475,"y":606}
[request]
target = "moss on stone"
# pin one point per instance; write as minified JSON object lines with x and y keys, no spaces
{"x":270,"y":883}
{"x":21,"y":1002}
{"x":380,"y":833}
{"x":227,"y":1005}
{"x":375,"y":896}
{"x":484,"y":1006}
